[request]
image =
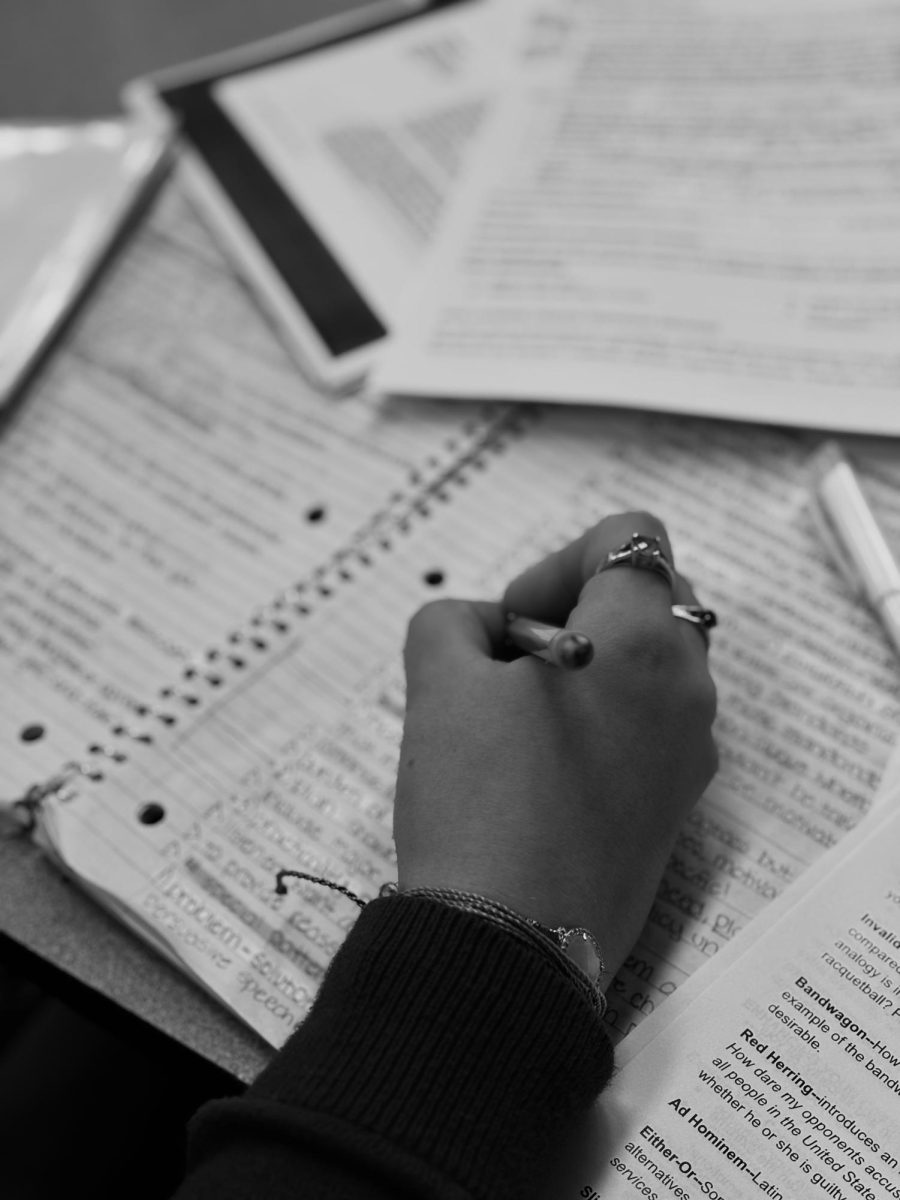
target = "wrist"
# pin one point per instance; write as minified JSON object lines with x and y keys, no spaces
{"x":573,"y":949}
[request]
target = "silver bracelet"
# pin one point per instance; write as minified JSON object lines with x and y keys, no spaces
{"x":575,"y":949}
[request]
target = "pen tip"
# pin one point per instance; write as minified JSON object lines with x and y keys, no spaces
{"x":574,"y":651}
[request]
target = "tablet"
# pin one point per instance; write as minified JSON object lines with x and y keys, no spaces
{"x":322,"y":158}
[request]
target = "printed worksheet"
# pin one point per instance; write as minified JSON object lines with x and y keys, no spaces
{"x":691,"y":207}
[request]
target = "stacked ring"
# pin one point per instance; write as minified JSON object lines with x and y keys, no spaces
{"x":704,"y":619}
{"x":696,"y":614}
{"x":644,"y":552}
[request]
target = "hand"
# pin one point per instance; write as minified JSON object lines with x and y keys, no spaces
{"x":557,"y":793}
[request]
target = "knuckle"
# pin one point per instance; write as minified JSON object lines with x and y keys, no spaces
{"x":426,"y":617}
{"x":649,"y":650}
{"x":647,"y":641}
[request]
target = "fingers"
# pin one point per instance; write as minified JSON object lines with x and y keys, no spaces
{"x":449,"y":636}
{"x":565,"y":589}
{"x":550,"y":589}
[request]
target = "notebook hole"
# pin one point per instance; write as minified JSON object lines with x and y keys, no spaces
{"x":151,"y":814}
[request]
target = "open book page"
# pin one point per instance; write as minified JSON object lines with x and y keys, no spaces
{"x":291,"y":762}
{"x":781,"y":1077}
{"x":691,"y":207}
{"x":168,"y":472}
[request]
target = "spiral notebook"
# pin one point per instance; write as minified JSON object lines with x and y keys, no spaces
{"x":276,"y":746}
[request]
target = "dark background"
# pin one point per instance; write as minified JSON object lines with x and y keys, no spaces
{"x":69,"y":58}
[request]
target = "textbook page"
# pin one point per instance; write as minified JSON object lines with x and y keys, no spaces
{"x":691,"y":207}
{"x":168,"y":472}
{"x":781,"y":1078}
{"x":291,"y":762}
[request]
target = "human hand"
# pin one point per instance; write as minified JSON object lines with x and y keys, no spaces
{"x":557,"y":793}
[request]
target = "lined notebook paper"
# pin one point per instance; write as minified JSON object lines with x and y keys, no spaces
{"x":289,"y":761}
{"x":169,"y":472}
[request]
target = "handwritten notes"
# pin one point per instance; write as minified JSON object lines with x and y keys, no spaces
{"x":291,"y":762}
{"x":169,"y":473}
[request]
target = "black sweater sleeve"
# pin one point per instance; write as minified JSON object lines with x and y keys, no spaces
{"x":442,"y":1059}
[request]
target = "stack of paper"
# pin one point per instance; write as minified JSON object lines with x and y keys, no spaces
{"x":65,"y":192}
{"x":682,"y":205}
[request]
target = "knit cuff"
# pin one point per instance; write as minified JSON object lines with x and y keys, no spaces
{"x":438,"y":1032}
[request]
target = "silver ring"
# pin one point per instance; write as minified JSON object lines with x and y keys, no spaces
{"x":640,"y":551}
{"x":704,"y":618}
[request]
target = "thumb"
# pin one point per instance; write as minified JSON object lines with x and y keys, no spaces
{"x":447,"y":637}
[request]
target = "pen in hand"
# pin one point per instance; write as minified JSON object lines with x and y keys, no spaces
{"x":562,"y":647}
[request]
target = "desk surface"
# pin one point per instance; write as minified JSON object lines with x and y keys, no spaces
{"x":45,"y":914}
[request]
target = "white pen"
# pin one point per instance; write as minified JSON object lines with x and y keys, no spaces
{"x":859,"y":544}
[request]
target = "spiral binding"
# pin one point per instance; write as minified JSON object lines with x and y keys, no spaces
{"x":210,"y":670}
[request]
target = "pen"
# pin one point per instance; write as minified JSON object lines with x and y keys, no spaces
{"x":859,"y":545}
{"x":563,"y":647}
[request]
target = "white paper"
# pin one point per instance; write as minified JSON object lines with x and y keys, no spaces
{"x":693,"y":209}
